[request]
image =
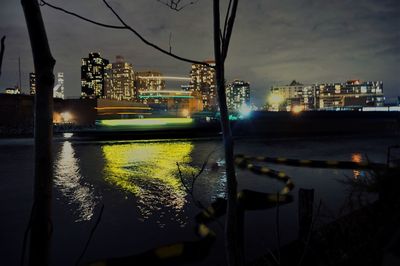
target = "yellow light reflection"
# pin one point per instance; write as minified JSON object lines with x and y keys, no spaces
{"x":68,"y":179}
{"x":148,"y":170}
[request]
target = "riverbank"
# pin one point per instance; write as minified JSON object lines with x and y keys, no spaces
{"x":367,"y":236}
{"x":259,"y":124}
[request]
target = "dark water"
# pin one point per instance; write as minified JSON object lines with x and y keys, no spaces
{"x":145,"y":202}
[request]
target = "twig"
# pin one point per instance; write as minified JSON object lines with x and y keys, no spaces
{"x":174,"y":4}
{"x":149,"y":43}
{"x":90,"y":236}
{"x":226,"y":18}
{"x":170,"y":37}
{"x":229,"y":28}
{"x":273,"y":256}
{"x":26,"y":233}
{"x":190,"y":191}
{"x":181,"y":177}
{"x":127,"y":27}
{"x":205,"y":163}
{"x":44,"y":3}
{"x":3,"y":47}
{"x":278,"y":235}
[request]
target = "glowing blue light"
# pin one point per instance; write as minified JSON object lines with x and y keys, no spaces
{"x":244,"y":111}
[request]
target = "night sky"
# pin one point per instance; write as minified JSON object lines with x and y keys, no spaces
{"x":273,"y":41}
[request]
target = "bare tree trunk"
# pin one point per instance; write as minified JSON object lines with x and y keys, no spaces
{"x":44,"y":65}
{"x":233,"y":244}
{"x":2,"y":51}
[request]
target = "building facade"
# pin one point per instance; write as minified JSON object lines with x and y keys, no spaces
{"x":294,"y":95}
{"x":237,"y":95}
{"x":203,"y":82}
{"x":119,"y":84}
{"x":32,"y":83}
{"x":352,"y":94}
{"x":93,"y":75}
{"x":149,"y":81}
{"x":58,"y":91}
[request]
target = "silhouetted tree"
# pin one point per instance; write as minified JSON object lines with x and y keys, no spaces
{"x":40,"y":222}
{"x":233,"y":232}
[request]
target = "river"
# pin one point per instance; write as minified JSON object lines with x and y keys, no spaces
{"x":145,"y":204}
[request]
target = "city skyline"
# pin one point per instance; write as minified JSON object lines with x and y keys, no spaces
{"x":177,"y":129}
{"x":273,"y":43}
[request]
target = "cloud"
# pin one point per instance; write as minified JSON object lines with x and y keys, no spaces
{"x":273,"y":41}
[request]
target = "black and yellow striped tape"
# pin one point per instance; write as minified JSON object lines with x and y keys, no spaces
{"x":240,"y":159}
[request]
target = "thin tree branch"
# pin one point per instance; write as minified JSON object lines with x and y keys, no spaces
{"x":174,"y":5}
{"x":190,"y":191}
{"x":3,"y":47}
{"x":233,"y":234}
{"x":127,"y":27}
{"x":229,"y":29}
{"x":278,"y":230}
{"x":170,"y":37}
{"x":149,"y":43}
{"x":26,"y":234}
{"x":194,"y":176}
{"x":90,"y":235}
{"x":221,"y":36}
{"x":226,"y":18}
{"x":44,"y":3}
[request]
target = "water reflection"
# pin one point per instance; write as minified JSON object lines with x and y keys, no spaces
{"x":68,"y":179}
{"x":148,"y":170}
{"x":357,"y":158}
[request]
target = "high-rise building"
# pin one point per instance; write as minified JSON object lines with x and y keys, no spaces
{"x":149,"y":81}
{"x":32,"y":83}
{"x":58,"y":91}
{"x":202,"y":80}
{"x":93,"y":75}
{"x":238,"y":95}
{"x":120,"y":79}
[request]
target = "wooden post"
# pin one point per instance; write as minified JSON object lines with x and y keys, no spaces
{"x":306,"y":203}
{"x":44,"y":65}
